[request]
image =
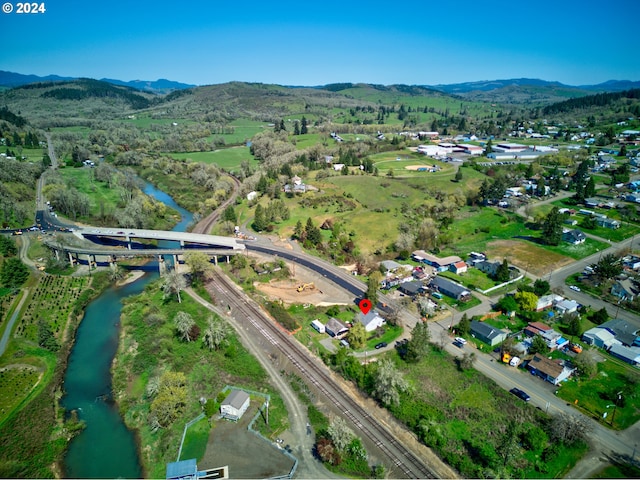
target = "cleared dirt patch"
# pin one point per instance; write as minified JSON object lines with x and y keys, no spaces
{"x":526,"y":256}
{"x":321,"y":293}
{"x":246,"y":454}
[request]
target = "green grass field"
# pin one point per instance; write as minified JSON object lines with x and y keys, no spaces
{"x":98,"y":192}
{"x":226,"y":158}
{"x":597,"y":395}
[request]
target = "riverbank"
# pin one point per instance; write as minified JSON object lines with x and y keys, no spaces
{"x":130,"y":278}
{"x":34,"y":437}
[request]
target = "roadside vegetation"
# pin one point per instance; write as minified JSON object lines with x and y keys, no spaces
{"x":165,"y":342}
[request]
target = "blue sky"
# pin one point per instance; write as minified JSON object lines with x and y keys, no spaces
{"x":314,"y":43}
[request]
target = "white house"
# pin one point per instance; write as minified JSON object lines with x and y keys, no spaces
{"x":371,"y":320}
{"x":234,"y":406}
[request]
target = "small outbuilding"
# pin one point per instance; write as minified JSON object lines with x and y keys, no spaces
{"x":234,"y":406}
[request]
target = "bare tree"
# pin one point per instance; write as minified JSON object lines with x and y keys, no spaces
{"x":184,"y":323}
{"x":389,"y":383}
{"x":340,"y":433}
{"x":216,"y":334}
{"x":173,"y":283}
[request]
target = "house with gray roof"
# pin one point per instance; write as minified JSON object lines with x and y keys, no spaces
{"x":626,"y":290}
{"x":335,"y":327}
{"x":553,"y":371}
{"x":574,"y":237}
{"x":487,"y":333}
{"x":450,"y":289}
{"x":234,"y":406}
{"x":371,"y":320}
{"x":630,"y":355}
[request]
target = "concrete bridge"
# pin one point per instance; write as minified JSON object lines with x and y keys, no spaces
{"x":184,"y":238}
{"x":212,"y":245}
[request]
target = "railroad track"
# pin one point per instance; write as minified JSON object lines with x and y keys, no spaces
{"x":404,"y":462}
{"x":206,"y":224}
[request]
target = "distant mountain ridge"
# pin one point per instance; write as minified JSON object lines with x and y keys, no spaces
{"x":160,"y":86}
{"x":490,"y":85}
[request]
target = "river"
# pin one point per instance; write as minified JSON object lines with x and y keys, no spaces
{"x":105,"y":448}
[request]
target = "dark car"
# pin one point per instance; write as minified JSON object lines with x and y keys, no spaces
{"x":520,"y":394}
{"x":381,"y":345}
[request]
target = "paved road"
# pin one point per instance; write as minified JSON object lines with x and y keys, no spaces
{"x":4,"y":341}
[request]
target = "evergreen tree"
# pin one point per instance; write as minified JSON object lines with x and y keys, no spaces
{"x":229,"y":215}
{"x":458,"y":176}
{"x":552,"y":228}
{"x":296,"y":128}
{"x":259,"y":221}
{"x":590,"y":187}
{"x":502,"y":273}
{"x":282,"y":125}
{"x":298,"y":231}
{"x":312,"y":233}
{"x":303,"y":127}
{"x":464,"y":325}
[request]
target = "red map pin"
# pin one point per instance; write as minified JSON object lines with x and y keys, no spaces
{"x":365,"y":306}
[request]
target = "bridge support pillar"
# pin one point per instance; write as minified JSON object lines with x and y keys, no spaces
{"x":57,"y":252}
{"x":215,"y":260}
{"x":70,"y":258}
{"x":182,"y":243}
{"x":161,"y":265}
{"x":128,"y":244}
{"x":176,"y":263}
{"x":227,"y":258}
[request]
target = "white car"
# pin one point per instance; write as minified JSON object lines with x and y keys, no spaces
{"x":460,"y":340}
{"x":575,"y":288}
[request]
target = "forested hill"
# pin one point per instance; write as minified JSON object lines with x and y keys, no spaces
{"x":598,"y":100}
{"x":89,"y":88}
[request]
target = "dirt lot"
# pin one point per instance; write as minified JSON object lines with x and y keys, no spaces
{"x":530,"y":258}
{"x":321,"y":293}
{"x":233,"y":445}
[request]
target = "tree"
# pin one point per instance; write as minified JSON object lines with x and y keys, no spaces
{"x":527,"y":301}
{"x":586,"y":364}
{"x":418,"y":345}
{"x":458,"y":176}
{"x":466,"y":361}
{"x":507,"y":304}
{"x":590,"y":188}
{"x":599,"y":316}
{"x":296,"y":128}
{"x":464,"y":325}
{"x":173,"y":283}
{"x":541,"y":287}
{"x":171,"y":399}
{"x":327,"y":451}
{"x":502,"y":272}
{"x":552,"y":228}
{"x":298,"y":231}
{"x":388,"y":383}
{"x":357,"y":336}
{"x":303,"y":126}
{"x":259,"y":222}
{"x":200,"y":266}
{"x":312,"y":233}
{"x":574,"y":325}
{"x":538,"y":345}
{"x":7,"y":247}
{"x":184,"y":323}
{"x":608,"y":267}
{"x":13,"y":273}
{"x":340,"y":433}
{"x":46,"y":338}
{"x":216,"y":333}
{"x":229,"y":215}
{"x":568,"y":429}
{"x":373,"y":283}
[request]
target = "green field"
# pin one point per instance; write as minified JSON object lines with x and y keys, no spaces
{"x":226,"y":158}
{"x":98,"y":192}
{"x":596,"y":396}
